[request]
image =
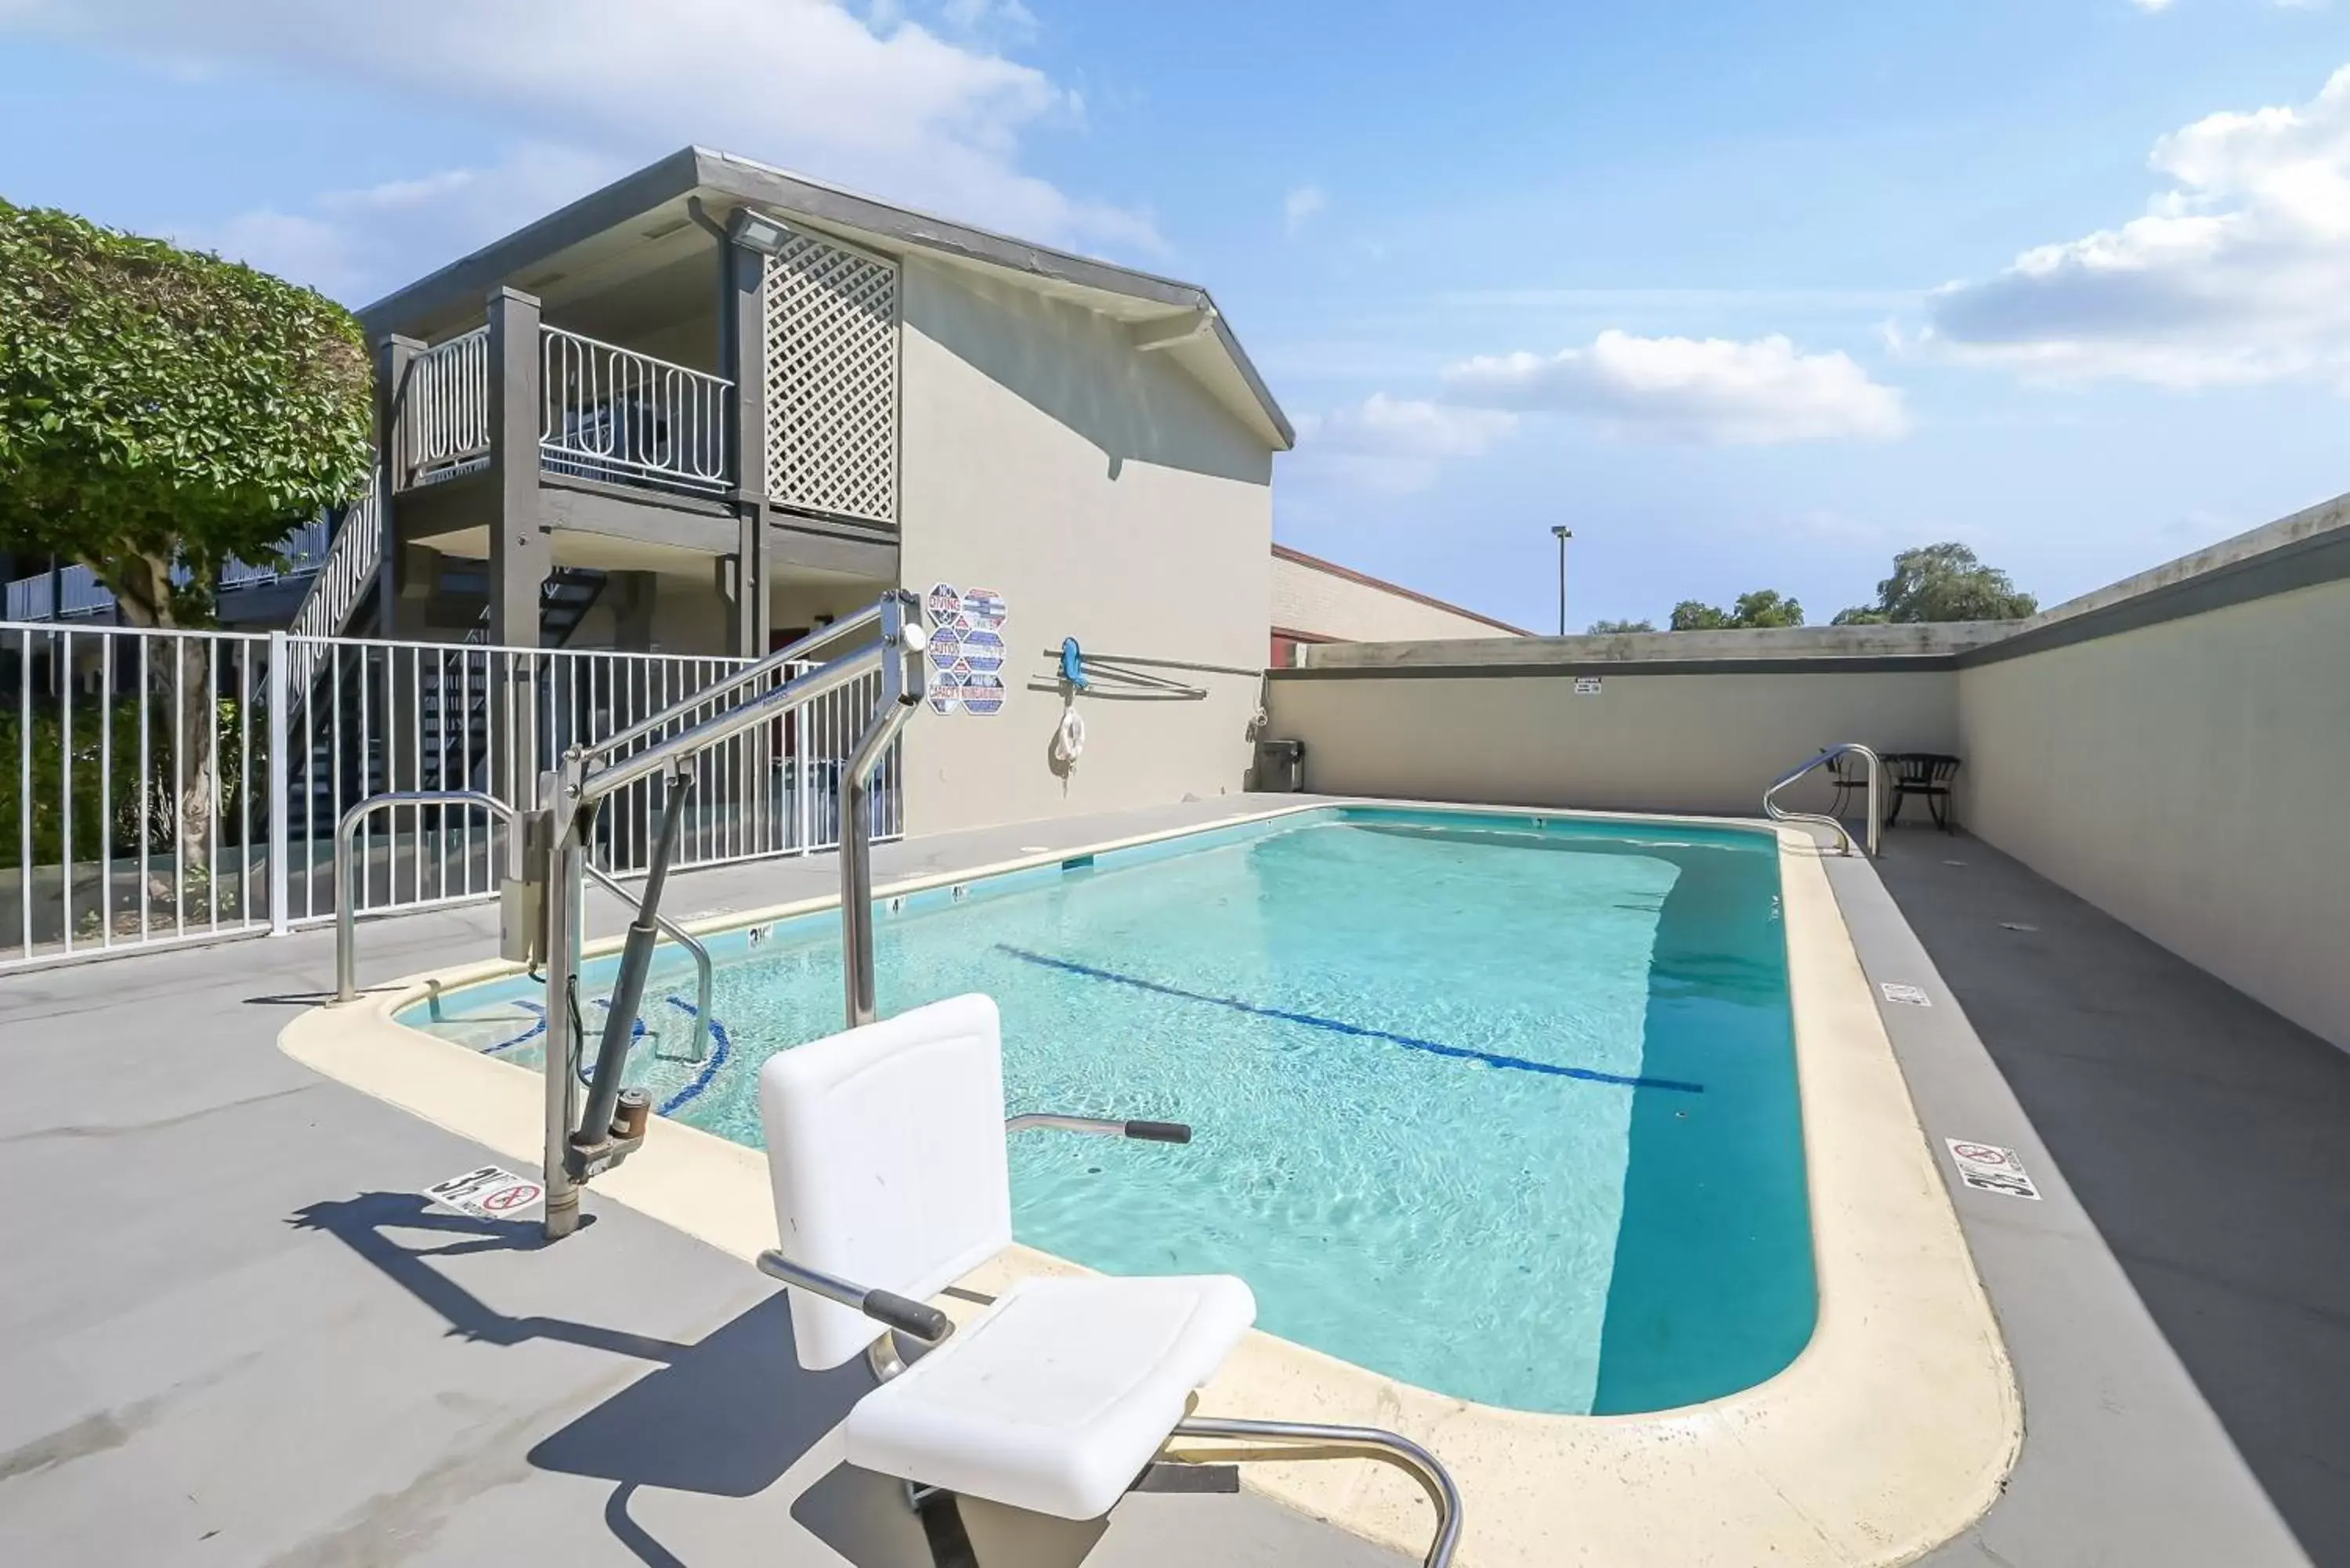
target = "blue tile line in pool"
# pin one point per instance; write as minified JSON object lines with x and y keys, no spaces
{"x":1339,"y":1026}
{"x":721,"y":1047}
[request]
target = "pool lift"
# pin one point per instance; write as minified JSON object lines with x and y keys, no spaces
{"x":1131,"y":1352}
{"x":583,"y":1141}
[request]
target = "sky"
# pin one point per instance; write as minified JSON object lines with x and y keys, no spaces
{"x":1749,"y":295}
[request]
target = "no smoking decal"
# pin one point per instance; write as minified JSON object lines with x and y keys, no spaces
{"x":490,"y":1193}
{"x":1989,"y":1168}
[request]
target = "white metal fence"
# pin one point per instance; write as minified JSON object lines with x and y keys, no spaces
{"x":165,"y":787}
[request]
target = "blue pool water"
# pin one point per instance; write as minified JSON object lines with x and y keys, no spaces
{"x":1502,"y":1106}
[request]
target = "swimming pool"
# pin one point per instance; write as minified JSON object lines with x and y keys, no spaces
{"x":1499,"y":1106}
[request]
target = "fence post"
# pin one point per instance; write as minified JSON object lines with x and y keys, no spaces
{"x":280,"y":738}
{"x":798,"y":730}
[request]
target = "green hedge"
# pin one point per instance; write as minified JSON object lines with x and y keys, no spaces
{"x":113,"y":781}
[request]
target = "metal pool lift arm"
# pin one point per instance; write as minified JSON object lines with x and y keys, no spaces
{"x":1107,"y":1126}
{"x":580,"y":1146}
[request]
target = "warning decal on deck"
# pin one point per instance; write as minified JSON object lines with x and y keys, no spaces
{"x":1587,"y":686}
{"x":489,"y":1193}
{"x":1907,"y":995}
{"x":1987,"y":1167}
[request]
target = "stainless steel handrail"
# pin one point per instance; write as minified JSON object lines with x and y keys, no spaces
{"x":805,"y":647}
{"x":1290,"y":1441}
{"x":703,"y":978}
{"x":666,"y":755}
{"x":1777,"y":812}
{"x":346,"y":903}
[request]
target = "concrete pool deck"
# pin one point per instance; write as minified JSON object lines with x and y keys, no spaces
{"x":234,"y":1334}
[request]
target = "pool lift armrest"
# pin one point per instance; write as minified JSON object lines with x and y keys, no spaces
{"x":1107,"y":1126}
{"x":888,"y":1308}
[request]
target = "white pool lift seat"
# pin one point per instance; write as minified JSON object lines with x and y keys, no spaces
{"x":887,"y":1148}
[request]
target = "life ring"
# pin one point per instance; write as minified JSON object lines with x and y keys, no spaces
{"x":1070,"y":740}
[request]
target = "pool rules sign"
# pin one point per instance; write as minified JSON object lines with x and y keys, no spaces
{"x":966,"y":649}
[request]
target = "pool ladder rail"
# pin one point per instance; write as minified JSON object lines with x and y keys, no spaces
{"x":1777,"y":812}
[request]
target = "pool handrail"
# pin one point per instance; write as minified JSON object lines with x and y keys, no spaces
{"x":346,"y":900}
{"x":1777,"y":812}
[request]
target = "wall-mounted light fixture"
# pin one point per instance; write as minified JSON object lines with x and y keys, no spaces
{"x":761,"y":232}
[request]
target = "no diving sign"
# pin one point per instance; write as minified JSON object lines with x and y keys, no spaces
{"x":1987,"y":1167}
{"x":489,"y":1193}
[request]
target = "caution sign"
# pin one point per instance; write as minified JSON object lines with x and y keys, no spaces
{"x":1989,"y":1168}
{"x":491,"y":1192}
{"x":966,"y":651}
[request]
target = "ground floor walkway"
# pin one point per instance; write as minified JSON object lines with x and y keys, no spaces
{"x":233,"y":1334}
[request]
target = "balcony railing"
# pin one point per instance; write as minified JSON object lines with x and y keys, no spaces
{"x":444,"y":411}
{"x":605,"y":413}
{"x":611,"y":413}
{"x":76,"y":592}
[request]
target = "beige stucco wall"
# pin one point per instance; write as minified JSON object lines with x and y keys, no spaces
{"x":1706,"y":743}
{"x":1108,"y":497}
{"x":2189,"y":778}
{"x":1323,"y":603}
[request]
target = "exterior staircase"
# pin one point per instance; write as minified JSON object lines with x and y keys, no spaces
{"x":449,"y":693}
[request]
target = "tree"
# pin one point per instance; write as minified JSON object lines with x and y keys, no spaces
{"x":159,"y":408}
{"x":1766,"y":607}
{"x":1942,"y":582}
{"x":163,"y":411}
{"x":1763,"y":607}
{"x":1617,"y":628}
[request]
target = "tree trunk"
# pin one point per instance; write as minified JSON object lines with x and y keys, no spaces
{"x":183,"y":715}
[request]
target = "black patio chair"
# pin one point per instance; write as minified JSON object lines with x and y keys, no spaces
{"x":1928,"y":775}
{"x":1848,"y":772}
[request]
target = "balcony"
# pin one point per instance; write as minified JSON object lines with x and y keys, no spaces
{"x":605,"y":413}
{"x":73,"y":593}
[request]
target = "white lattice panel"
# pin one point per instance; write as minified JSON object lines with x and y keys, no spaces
{"x":832,"y":381}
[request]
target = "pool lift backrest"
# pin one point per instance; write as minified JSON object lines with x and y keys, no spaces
{"x":887,"y":1148}
{"x":582,"y":1143}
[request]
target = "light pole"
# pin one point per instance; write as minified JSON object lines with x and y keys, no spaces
{"x":1562,"y":533}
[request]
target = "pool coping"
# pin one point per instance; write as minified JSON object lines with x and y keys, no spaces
{"x":1891,"y":1433}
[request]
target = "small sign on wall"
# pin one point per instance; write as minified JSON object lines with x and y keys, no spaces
{"x":966,"y":649}
{"x":1587,"y":686}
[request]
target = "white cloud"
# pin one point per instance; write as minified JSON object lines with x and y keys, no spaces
{"x":2240,"y":271}
{"x":1301,"y":206}
{"x":339,"y":240}
{"x":1398,"y":443}
{"x":1709,"y":391}
{"x":2152,"y":5}
{"x":877,"y":103}
{"x":1006,"y":19}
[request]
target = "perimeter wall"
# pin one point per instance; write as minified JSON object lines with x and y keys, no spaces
{"x":2175,"y":749}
